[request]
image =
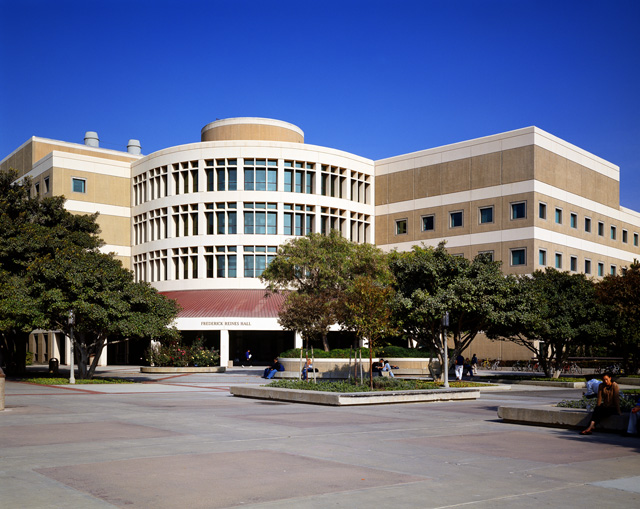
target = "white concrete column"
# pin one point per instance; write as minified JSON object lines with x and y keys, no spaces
{"x":297,"y":340}
{"x":54,"y":349}
{"x":67,"y":349}
{"x":224,"y":348}
{"x":102,"y":361}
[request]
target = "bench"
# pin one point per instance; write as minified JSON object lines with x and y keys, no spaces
{"x":557,"y":417}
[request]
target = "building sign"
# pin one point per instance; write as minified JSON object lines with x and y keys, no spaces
{"x":225,"y":324}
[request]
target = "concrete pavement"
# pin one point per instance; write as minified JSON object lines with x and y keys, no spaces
{"x":183,"y":441}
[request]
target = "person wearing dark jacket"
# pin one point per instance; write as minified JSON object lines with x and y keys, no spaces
{"x":608,"y":403}
{"x":271,"y":370}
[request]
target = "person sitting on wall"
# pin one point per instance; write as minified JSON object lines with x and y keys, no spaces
{"x":308,"y":366}
{"x":608,"y":403}
{"x":387,"y":367}
{"x":271,"y":370}
{"x":377,"y":367}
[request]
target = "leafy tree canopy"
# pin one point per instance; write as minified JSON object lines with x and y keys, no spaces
{"x":318,"y":269}
{"x":431,"y":282}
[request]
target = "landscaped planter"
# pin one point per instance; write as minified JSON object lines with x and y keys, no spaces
{"x":192,"y":369}
{"x":338,"y":368}
{"x":354,"y":398}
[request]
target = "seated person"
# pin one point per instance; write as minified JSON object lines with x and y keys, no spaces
{"x":592,"y":388}
{"x":307,"y":367}
{"x":377,"y":366}
{"x":271,"y":370}
{"x":387,"y":367}
{"x":608,"y":403}
{"x":632,"y":428}
{"x":467,"y":369}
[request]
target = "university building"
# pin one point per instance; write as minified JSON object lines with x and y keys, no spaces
{"x":201,"y":221}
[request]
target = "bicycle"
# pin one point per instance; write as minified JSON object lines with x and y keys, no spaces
{"x":496,"y":365}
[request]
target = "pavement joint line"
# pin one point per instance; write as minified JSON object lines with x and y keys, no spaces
{"x":515,"y":495}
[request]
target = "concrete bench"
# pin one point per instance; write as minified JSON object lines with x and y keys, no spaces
{"x":557,"y":417}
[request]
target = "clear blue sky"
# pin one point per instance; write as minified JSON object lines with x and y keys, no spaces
{"x":376,"y":78}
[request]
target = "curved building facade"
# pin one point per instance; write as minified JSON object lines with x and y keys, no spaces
{"x":208,"y":217}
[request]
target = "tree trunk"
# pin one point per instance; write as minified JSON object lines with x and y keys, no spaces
{"x":325,"y":342}
{"x":99,"y":348}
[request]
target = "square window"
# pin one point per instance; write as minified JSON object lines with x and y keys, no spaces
{"x":78,"y":185}
{"x":600,"y":269}
{"x":401,"y":227}
{"x":455,"y":219}
{"x":558,"y":260}
{"x":573,"y":264}
{"x":625,"y":236}
{"x":428,"y":223}
{"x":519,"y":210}
{"x":613,"y":233}
{"x":587,"y":266}
{"x":488,"y":254}
{"x":587,"y":224}
{"x":574,"y":220}
{"x":519,"y":256}
{"x":601,"y":228}
{"x":542,"y":257}
{"x":486,"y":215}
{"x":542,"y":210}
{"x":559,"y":216}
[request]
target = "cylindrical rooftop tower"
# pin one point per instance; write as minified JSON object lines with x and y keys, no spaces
{"x":252,"y":128}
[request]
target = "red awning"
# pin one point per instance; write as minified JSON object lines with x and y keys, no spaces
{"x":227,"y":303}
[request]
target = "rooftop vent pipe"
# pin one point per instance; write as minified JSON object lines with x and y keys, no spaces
{"x":91,"y":139}
{"x":133,"y":147}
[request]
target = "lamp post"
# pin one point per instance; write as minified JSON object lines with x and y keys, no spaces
{"x":72,"y":375}
{"x":445,"y":324}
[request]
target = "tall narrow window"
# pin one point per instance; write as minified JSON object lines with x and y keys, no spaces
{"x":587,"y":224}
{"x":542,"y":210}
{"x":558,"y":216}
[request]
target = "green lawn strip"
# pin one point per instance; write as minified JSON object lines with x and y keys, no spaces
{"x":627,"y":401}
{"x":392,"y":385}
{"x":50,"y":380}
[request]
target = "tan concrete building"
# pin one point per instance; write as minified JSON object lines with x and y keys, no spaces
{"x":201,"y":221}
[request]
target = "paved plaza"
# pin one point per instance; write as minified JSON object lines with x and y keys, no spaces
{"x":183,"y":441}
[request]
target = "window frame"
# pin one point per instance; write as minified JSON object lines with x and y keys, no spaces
{"x":488,"y":207}
{"x":451,"y":215}
{"x":558,"y":215}
{"x":573,"y":220}
{"x":81,"y":180}
{"x":542,"y":210}
{"x":542,"y":256}
{"x":398,"y":223}
{"x":512,"y":251}
{"x":514,"y":204}
{"x":587,"y":224}
{"x":428,"y":216}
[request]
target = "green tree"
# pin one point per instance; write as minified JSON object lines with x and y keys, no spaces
{"x":368,"y":312}
{"x":316,"y":270}
{"x":553,"y":314}
{"x":30,"y":227}
{"x":107,"y":303}
{"x":430,"y":282}
{"x":621,"y":296}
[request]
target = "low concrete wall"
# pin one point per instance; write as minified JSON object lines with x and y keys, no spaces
{"x":625,"y":380}
{"x":339,"y":368}
{"x":156,"y":369}
{"x":549,"y":383}
{"x":1,"y":389}
{"x":353,"y":398}
{"x":558,"y":417}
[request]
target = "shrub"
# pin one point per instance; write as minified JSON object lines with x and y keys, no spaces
{"x":379,"y":384}
{"x":344,"y":353}
{"x":174,"y":354}
{"x":627,"y":401}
